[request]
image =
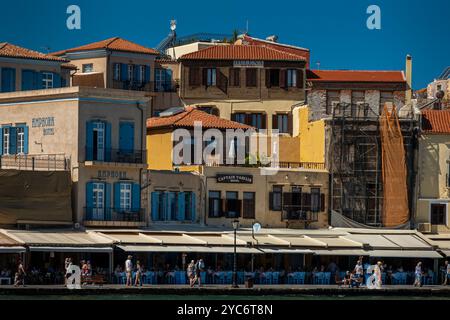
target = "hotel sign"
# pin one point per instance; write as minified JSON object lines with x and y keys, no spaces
{"x":248,"y":64}
{"x":234,"y":178}
{"x":47,"y":124}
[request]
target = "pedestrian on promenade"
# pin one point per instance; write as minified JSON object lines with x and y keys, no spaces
{"x":138,"y":274}
{"x":129,"y":270}
{"x":19,"y":278}
{"x":199,"y":268}
{"x":418,"y":275}
{"x":190,"y":273}
{"x":446,"y":272}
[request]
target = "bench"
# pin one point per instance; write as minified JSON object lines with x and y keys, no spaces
{"x":94,"y":279}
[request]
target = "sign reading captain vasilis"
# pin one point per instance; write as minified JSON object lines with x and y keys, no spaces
{"x":234,"y":178}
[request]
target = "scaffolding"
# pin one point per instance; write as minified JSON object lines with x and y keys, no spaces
{"x":355,"y":162}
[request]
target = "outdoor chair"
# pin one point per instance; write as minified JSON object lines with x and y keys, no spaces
{"x":229,"y":277}
{"x":318,"y":278}
{"x":203,"y":277}
{"x":267,"y":278}
{"x":219,"y":278}
{"x":326,"y":278}
{"x":275,"y":277}
{"x":241,"y":277}
{"x":299,"y":277}
{"x":180,"y":277}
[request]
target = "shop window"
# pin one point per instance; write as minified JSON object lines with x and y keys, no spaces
{"x":215,"y":204}
{"x":248,"y":205}
{"x":438,"y":213}
{"x":275,"y":198}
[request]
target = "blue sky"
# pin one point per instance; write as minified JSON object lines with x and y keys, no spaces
{"x":334,"y":31}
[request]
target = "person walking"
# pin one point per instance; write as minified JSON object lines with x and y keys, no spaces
{"x":129,"y":270}
{"x":418,"y":275}
{"x":199,"y":268}
{"x":446,"y":272}
{"x":20,"y":275}
{"x":138,"y":274}
{"x":190,"y":273}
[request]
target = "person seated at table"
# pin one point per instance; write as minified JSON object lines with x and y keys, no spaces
{"x":346,"y":281}
{"x":355,"y":279}
{"x":400,"y":269}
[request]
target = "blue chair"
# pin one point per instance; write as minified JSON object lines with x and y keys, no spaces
{"x":219,"y":278}
{"x":241,"y":277}
{"x":299,"y":277}
{"x":275,"y":277}
{"x":318,"y":278}
{"x":326,"y":277}
{"x":267,"y":279}
{"x":229,"y":277}
{"x":203,"y":277}
{"x":180,"y":277}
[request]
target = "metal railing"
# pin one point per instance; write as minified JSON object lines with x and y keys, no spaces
{"x":35,"y":162}
{"x":283,"y":165}
{"x":301,"y":215}
{"x":114,"y":214}
{"x":150,"y":86}
{"x":115,"y":155}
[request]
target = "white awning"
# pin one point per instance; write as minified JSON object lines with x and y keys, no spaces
{"x":446,"y":252}
{"x":72,"y":249}
{"x":205,"y":249}
{"x":341,"y":252}
{"x":12,"y":249}
{"x":404,"y":254}
{"x":286,"y":250}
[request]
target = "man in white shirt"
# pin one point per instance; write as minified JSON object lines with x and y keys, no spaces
{"x":129,"y":270}
{"x":446,"y":272}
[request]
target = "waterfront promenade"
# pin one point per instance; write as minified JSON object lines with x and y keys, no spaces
{"x":211,"y":290}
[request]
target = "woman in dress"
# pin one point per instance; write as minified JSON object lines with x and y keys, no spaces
{"x":418,"y":275}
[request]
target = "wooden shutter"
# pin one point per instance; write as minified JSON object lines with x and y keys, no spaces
{"x":322,"y":202}
{"x":300,"y":78}
{"x":306,"y":201}
{"x":204,"y":77}
{"x":268,"y":85}
{"x":283,"y":82}
{"x":271,"y":201}
{"x":194,"y":76}
{"x":222,"y":81}
{"x":275,"y":121}
{"x":290,"y":124}
{"x":251,"y":77}
{"x":238,"y":207}
{"x":264,"y":121}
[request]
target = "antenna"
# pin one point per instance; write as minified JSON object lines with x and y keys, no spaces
{"x":318,"y":65}
{"x":246,"y":32}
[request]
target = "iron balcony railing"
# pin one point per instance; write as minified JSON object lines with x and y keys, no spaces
{"x":300,"y":215}
{"x":114,"y":214}
{"x":152,"y":86}
{"x":115,"y":155}
{"x":35,"y":162}
{"x":281,"y":165}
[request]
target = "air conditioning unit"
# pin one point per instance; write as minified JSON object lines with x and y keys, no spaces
{"x":424,"y":227}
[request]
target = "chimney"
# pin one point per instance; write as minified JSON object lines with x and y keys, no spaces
{"x":408,"y":74}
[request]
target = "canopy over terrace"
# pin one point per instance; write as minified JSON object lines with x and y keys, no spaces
{"x":441,"y":241}
{"x":9,"y":245}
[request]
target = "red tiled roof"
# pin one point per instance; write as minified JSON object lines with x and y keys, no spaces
{"x":241,"y":52}
{"x":355,"y":76}
{"x":301,"y":52}
{"x":10,"y":50}
{"x":436,"y":121}
{"x":189,"y":116}
{"x":115,"y":44}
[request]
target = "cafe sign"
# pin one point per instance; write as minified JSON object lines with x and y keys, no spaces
{"x":248,"y":64}
{"x":234,"y":178}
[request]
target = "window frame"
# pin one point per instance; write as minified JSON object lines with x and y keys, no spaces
{"x":125,"y":196}
{"x":284,"y":121}
{"x":211,"y":77}
{"x":47,"y":80}
{"x":84,"y":66}
{"x":246,"y":205}
{"x":251,"y":82}
{"x":130,"y":72}
{"x":117,"y":71}
{"x":315,"y":199}
{"x":6,"y":140}
{"x":280,"y":193}
{"x":216,"y":198}
{"x":20,"y":143}
{"x":291,"y":80}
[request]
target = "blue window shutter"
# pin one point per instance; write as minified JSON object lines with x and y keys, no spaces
{"x":12,"y":140}
{"x":135,"y":197}
{"x":8,"y":80}
{"x":123,"y":72}
{"x":194,"y":206}
{"x":107,"y":201}
{"x":107,"y":141}
{"x":89,"y":140}
{"x":147,"y":74}
{"x":164,"y":205}
{"x":155,"y":205}
{"x":181,"y":206}
{"x":56,"y":80}
{"x":25,"y":139}
{"x":89,"y":196}
{"x":28,"y":80}
{"x":126,"y":137}
{"x":1,"y":141}
{"x":39,"y":77}
{"x":117,"y":196}
{"x":136,"y":71}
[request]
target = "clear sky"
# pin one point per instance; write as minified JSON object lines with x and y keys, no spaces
{"x":335,"y":31}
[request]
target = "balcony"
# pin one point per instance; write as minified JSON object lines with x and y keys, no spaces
{"x":116,"y":155}
{"x":151,"y":86}
{"x":37,"y":162}
{"x":300,"y":215}
{"x":114,"y":217}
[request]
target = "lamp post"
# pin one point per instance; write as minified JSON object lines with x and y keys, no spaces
{"x":235,"y":227}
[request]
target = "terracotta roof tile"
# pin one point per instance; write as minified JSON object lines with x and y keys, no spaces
{"x":187,"y":118}
{"x":13,"y":51}
{"x":115,"y":44}
{"x":241,"y":52}
{"x":436,"y":121}
{"x":355,"y":76}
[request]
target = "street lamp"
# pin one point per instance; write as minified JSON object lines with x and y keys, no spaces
{"x":235,"y":227}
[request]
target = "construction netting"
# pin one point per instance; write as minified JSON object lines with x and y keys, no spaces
{"x":35,"y":196}
{"x":395,"y":194}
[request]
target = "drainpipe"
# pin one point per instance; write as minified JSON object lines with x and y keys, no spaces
{"x":143,"y":135}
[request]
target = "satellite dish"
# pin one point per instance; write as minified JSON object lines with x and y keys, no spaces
{"x":173,"y":25}
{"x":256,"y":227}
